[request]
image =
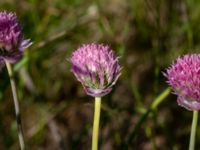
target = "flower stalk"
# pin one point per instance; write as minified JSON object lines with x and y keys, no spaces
{"x":95,"y":134}
{"x":98,"y":69}
{"x":193,"y":130}
{"x":16,"y":105}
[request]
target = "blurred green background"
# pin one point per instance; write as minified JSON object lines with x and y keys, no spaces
{"x":148,"y":35}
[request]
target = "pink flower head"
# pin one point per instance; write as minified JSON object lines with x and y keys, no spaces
{"x":184,"y":78}
{"x":12,"y":43}
{"x":96,"y":67}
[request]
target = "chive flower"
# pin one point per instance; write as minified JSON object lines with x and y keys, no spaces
{"x":96,"y":67}
{"x":184,"y":78}
{"x":12,"y":43}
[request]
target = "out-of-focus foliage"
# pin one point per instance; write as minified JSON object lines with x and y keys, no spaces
{"x":56,"y":113}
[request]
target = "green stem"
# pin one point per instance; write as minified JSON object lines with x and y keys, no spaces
{"x":16,"y":104}
{"x":153,"y":106}
{"x":95,"y":134}
{"x":193,"y":130}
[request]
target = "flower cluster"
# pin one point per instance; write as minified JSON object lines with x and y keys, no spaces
{"x":12,"y":43}
{"x":96,"y":67}
{"x":184,"y":78}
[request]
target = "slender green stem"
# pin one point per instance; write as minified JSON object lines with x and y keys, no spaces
{"x":193,"y":130}
{"x":95,"y":134}
{"x":16,"y":104}
{"x":153,"y":106}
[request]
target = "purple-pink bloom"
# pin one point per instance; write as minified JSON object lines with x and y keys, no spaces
{"x":184,"y":78}
{"x":12,"y":43}
{"x":96,"y":67}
